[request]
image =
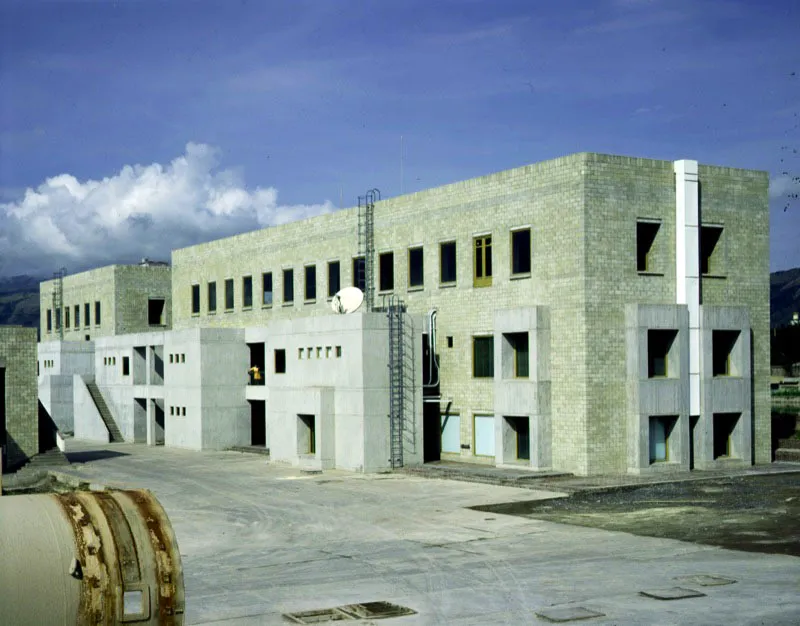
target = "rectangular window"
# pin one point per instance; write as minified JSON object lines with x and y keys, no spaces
{"x":451,"y":433}
{"x":483,"y":435}
{"x":247,"y":292}
{"x":58,"y":319}
{"x":660,"y":430}
{"x":97,"y":313}
{"x":77,"y":316}
{"x":359,"y":273}
{"x":483,"y":357}
{"x":87,"y":314}
{"x":646,"y":232}
{"x":155,"y":311}
{"x":518,"y":343}
{"x":416,"y":270}
{"x":386,"y":271}
{"x":724,"y":428}
{"x":447,"y":262}
{"x":521,"y":251}
{"x":521,"y":429}
{"x":288,"y":286}
{"x":662,"y":359}
{"x":212,"y":297}
{"x":483,"y":261}
{"x":311,"y":282}
{"x":126,"y":366}
{"x":280,"y":361}
{"x":195,"y":299}
{"x":229,"y":295}
{"x":266,"y":288}
{"x":334,"y":278}
{"x":723,"y":348}
{"x":306,"y":434}
{"x":711,"y":261}
{"x":49,"y":321}
{"x":66,"y":317}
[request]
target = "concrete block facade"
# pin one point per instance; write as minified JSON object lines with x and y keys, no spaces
{"x":19,"y":423}
{"x":560,"y":251}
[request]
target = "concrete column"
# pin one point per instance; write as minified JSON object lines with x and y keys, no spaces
{"x":687,"y":265}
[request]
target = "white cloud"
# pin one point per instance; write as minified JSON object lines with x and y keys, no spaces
{"x":780,"y":186}
{"x":143,"y":210}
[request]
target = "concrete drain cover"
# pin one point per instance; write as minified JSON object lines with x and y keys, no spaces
{"x":567,"y":614}
{"x":673,"y":593}
{"x":317,"y":616}
{"x":706,"y":580}
{"x":376,"y":610}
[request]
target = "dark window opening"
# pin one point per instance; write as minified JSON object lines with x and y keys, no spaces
{"x":212,"y":297}
{"x":49,"y":321}
{"x":87,"y":314}
{"x":257,"y":370}
{"x":77,"y":316}
{"x":229,"y":295}
{"x":155,"y":311}
{"x":521,"y":251}
{"x":449,"y":341}
{"x":483,"y":357}
{"x":522,"y":434}
{"x":97,"y":314}
{"x":724,"y":427}
{"x":483,"y":261}
{"x":659,"y":346}
{"x":306,"y":434}
{"x":195,"y":299}
{"x":645,"y":238}
{"x":416,"y":268}
{"x":280,"y":361}
{"x":288,"y":285}
{"x":311,"y":282}
{"x":710,"y":253}
{"x":447,"y":262}
{"x":126,"y":366}
{"x":266,"y":288}
{"x":519,"y":345}
{"x":247,"y":292}
{"x":360,"y":273}
{"x":58,"y":319}
{"x":660,"y":430}
{"x":66,"y":317}
{"x":386,"y":271}
{"x":723,"y":343}
{"x":334,"y":278}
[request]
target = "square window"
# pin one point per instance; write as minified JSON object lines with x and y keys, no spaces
{"x":266,"y":288}
{"x":360,"y":273}
{"x":724,"y":352}
{"x":386,"y":271}
{"x":521,"y":251}
{"x":447,"y":262}
{"x":483,"y":261}
{"x":155,"y":311}
{"x":416,"y":269}
{"x":229,"y":295}
{"x":195,"y":299}
{"x":711,"y":261}
{"x":212,"y":297}
{"x":247,"y":292}
{"x":662,"y":354}
{"x":646,"y":232}
{"x":334,"y":278}
{"x":661,"y":427}
{"x":288,"y":286}
{"x":483,"y":357}
{"x":311,"y":282}
{"x":280,"y":361}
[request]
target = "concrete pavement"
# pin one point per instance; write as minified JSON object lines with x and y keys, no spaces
{"x":259,"y":541}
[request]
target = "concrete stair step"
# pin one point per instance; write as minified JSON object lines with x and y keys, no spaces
{"x":791,"y":443}
{"x":787,"y":455}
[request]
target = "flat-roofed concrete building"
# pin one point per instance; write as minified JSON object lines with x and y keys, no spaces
{"x":19,"y":423}
{"x":592,"y":314}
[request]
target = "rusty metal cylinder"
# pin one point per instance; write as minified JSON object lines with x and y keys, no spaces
{"x":85,"y":558}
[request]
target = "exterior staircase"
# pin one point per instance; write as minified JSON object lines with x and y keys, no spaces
{"x":113,"y":432}
{"x":788,"y":450}
{"x":35,"y":470}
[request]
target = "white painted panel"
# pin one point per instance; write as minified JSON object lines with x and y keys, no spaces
{"x":484,"y":435}
{"x":451,"y":433}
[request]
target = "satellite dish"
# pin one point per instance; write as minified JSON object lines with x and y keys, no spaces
{"x":347,"y":300}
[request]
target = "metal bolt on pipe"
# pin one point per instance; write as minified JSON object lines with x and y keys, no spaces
{"x":88,"y":558}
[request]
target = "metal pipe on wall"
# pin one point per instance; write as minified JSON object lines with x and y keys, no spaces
{"x":88,"y":558}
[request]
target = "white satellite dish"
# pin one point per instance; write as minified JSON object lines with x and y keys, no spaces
{"x":347,"y":300}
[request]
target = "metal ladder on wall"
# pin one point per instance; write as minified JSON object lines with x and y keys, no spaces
{"x":58,"y":301}
{"x":395,"y":311}
{"x":366,"y":245}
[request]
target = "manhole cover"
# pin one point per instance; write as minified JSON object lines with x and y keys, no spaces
{"x":706,"y":580}
{"x":376,"y":610}
{"x":567,"y":614}
{"x":672,"y":593}
{"x":317,"y":616}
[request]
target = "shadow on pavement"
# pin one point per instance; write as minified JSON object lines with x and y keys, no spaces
{"x":86,"y":456}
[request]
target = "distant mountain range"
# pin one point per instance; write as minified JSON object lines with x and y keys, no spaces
{"x":19,"y":298}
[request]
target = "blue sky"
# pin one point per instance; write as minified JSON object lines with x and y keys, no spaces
{"x":130,"y":127}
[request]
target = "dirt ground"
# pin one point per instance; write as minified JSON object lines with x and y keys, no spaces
{"x":753,"y":513}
